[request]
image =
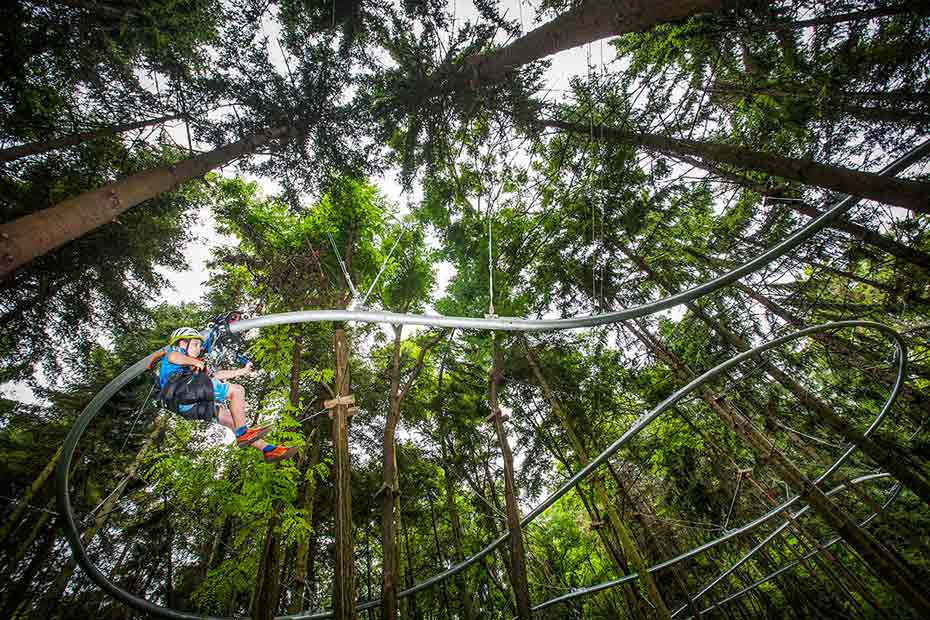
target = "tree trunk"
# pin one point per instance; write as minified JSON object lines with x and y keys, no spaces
{"x":455,"y":523}
{"x":13,"y":519}
{"x":624,"y":535}
{"x":883,"y":451}
{"x":904,"y":7}
{"x":36,"y":148}
{"x":17,"y":592}
{"x":440,"y":556}
{"x":883,"y":562}
{"x":517,"y":554}
{"x":55,"y":592}
{"x":14,"y":559}
{"x":465,"y":594}
{"x":301,"y":561}
{"x":589,"y":21}
{"x":913,"y":195}
{"x":390,"y":560}
{"x":867,"y":236}
{"x":35,"y":234}
{"x":265,"y":598}
{"x":344,"y":598}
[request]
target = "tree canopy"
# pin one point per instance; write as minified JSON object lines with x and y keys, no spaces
{"x":395,"y":161}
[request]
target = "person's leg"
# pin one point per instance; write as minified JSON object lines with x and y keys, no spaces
{"x":233,"y":416}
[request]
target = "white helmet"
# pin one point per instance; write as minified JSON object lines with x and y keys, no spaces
{"x":184,"y":333}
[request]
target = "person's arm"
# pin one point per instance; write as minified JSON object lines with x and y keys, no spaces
{"x":232,"y":374}
{"x":176,"y":357}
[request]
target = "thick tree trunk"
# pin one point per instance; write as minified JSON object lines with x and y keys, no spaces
{"x":344,"y":598}
{"x":35,"y":234}
{"x":589,"y":21}
{"x":37,"y":148}
{"x":913,"y":195}
{"x":517,"y":554}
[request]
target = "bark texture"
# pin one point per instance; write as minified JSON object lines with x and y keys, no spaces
{"x":517,"y":553}
{"x":589,"y":21}
{"x":33,"y":235}
{"x":344,"y":598}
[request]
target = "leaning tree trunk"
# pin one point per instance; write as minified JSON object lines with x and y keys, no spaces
{"x":13,"y":520}
{"x":624,"y":535}
{"x":588,"y":21}
{"x":885,"y":564}
{"x":857,"y":231}
{"x":37,"y":148}
{"x":883,"y":451}
{"x":913,"y":195}
{"x":35,"y":234}
{"x":17,"y":592}
{"x":54,"y":593}
{"x":517,"y":554}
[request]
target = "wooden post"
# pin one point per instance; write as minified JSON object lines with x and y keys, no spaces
{"x":344,"y":598}
{"x":517,"y":555}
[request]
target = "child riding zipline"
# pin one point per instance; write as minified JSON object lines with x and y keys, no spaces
{"x":190,"y":391}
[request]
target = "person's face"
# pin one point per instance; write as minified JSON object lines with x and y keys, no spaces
{"x":193,"y":348}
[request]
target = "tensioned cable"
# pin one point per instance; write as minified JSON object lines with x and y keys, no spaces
{"x":342,"y":265}
{"x":383,"y":265}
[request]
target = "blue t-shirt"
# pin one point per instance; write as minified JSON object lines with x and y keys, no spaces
{"x":167,"y":368}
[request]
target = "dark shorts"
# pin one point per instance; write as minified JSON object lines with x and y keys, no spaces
{"x":207,"y":411}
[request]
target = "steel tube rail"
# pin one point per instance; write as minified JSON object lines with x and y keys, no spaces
{"x":500,"y":324}
{"x":516,"y":324}
{"x":894,"y":495}
{"x":80,"y":553}
{"x":807,"y":556}
{"x":708,"y":545}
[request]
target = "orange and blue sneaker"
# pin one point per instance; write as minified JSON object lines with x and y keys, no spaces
{"x":247,"y":436}
{"x":273,"y":454}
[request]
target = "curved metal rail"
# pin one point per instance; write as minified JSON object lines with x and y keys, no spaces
{"x":502,"y":324}
{"x":146,"y":606}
